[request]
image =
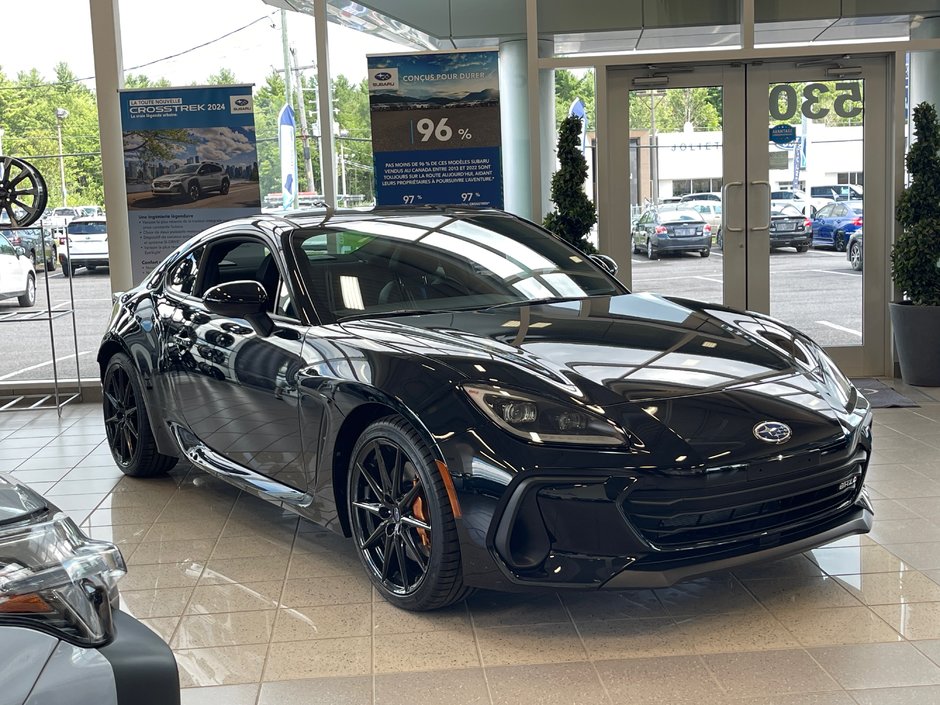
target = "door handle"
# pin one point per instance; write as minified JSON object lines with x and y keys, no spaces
{"x":769,"y":191}
{"x":724,"y":207}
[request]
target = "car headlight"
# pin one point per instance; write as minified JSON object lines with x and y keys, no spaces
{"x":54,"y":578}
{"x":543,"y":421}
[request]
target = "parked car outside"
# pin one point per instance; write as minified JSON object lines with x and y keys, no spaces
{"x":711,"y":213}
{"x":193,"y":181}
{"x":17,"y":274}
{"x":479,"y":404}
{"x":87,"y":245}
{"x":837,"y":192}
{"x":31,"y":240}
{"x":659,"y":231}
{"x":833,"y":224}
{"x":794,"y":197}
{"x":702,"y":196}
{"x":90,"y":211}
{"x":65,"y":638}
{"x":790,"y":228}
{"x":855,"y":252}
{"x":58,"y":220}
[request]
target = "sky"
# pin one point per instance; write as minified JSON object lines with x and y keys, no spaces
{"x":60,"y":30}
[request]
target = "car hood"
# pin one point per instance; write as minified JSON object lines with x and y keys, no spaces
{"x":628,"y":348}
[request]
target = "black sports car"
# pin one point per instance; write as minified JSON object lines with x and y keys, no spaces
{"x":476,"y":403}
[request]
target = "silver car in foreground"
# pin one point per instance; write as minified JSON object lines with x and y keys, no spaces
{"x":63,"y":639}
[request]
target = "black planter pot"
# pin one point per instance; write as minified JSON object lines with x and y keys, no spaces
{"x":917,"y":339}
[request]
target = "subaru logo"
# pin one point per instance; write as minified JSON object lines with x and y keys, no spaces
{"x":241,"y":102}
{"x":772,"y":432}
{"x":383,"y":76}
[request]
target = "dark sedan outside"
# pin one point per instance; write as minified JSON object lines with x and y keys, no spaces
{"x":790,"y":228}
{"x":671,"y":229}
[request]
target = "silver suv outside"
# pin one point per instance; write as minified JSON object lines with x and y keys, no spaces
{"x":193,"y":181}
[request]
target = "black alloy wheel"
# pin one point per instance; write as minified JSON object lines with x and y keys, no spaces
{"x":838,"y":241}
{"x":126,"y":423}
{"x":50,"y":263}
{"x":801,"y":248}
{"x":706,"y":252}
{"x":223,"y":189}
{"x":194,"y":191}
{"x":650,"y":252}
{"x":401,"y":519}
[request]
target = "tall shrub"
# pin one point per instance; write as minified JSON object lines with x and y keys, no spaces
{"x":915,"y":259}
{"x":574,"y":213}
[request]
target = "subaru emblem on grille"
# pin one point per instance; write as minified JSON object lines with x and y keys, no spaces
{"x":772,"y":432}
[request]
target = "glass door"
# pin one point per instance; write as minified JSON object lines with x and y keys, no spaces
{"x":750,"y":186}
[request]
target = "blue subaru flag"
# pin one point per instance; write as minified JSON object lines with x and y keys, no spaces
{"x":286,"y":143}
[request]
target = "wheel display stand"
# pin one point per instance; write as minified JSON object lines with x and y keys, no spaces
{"x":23,"y":199}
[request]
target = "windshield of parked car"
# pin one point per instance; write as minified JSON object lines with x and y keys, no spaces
{"x":87,"y":228}
{"x":67,"y":212}
{"x":433,"y":262}
{"x":188,"y":169}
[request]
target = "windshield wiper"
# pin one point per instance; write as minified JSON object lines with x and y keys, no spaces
{"x":536,"y":302}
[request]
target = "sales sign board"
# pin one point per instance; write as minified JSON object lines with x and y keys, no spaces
{"x":190,"y":162}
{"x":436,"y":128}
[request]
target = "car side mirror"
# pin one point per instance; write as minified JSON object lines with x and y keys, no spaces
{"x":606,"y":263}
{"x":245,"y":299}
{"x":20,"y":252}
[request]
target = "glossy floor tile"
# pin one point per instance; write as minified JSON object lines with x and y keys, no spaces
{"x":263,"y":608}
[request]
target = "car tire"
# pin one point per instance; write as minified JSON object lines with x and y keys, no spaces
{"x":706,"y":252}
{"x":650,"y":252}
{"x":32,"y":258}
{"x":50,"y":263}
{"x":801,"y":248}
{"x":193,"y":191}
{"x":720,"y":240}
{"x":855,"y":257}
{"x":67,"y":270}
{"x":223,"y":189}
{"x":29,"y":296}
{"x":838,"y":241}
{"x":401,"y":518}
{"x":126,"y":423}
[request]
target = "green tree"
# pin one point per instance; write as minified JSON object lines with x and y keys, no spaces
{"x":568,"y":88}
{"x":224,"y":77}
{"x":574,"y":213}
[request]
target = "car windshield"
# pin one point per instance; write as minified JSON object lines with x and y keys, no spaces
{"x":67,"y":212}
{"x":188,"y":169}
{"x":87,"y":228}
{"x":437,"y":262}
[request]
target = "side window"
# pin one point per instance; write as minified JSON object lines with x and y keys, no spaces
{"x":5,"y":247}
{"x":284,"y":306}
{"x":240,"y":259}
{"x":824,"y":212}
{"x":182,"y":278}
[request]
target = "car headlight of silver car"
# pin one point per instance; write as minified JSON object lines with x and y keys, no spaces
{"x":55,"y":579}
{"x":540,"y":420}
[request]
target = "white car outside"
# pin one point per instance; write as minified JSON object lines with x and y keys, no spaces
{"x":794,"y":197}
{"x":17,"y":278}
{"x":87,"y":245}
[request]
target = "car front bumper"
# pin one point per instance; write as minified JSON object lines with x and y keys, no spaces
{"x":172,"y":190}
{"x":145,"y":671}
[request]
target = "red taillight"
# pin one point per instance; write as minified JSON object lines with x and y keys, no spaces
{"x":707,"y":228}
{"x":661,"y":230}
{"x":857,"y":222}
{"x":807,"y":224}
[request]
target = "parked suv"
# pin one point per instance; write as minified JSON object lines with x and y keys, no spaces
{"x":87,"y":245}
{"x":837,"y":192}
{"x":193,"y":180}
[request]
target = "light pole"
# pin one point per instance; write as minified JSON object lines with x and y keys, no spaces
{"x":1,"y":140}
{"x":654,"y":146}
{"x":60,"y":115}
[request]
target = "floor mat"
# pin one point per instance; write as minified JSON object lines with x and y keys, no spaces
{"x":880,"y":395}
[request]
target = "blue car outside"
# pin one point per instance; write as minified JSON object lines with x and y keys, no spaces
{"x":835,"y":223}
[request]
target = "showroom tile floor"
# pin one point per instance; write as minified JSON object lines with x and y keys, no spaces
{"x":261,"y":607}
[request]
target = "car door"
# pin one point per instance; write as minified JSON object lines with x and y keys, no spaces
{"x":237,"y":390}
{"x":10,"y":275}
{"x":822,"y":224}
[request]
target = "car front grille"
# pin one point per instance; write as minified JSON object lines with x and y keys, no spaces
{"x":672,"y":519}
{"x":161,"y":184}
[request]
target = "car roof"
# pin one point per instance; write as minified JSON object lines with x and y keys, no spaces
{"x":90,"y":219}
{"x":311,"y":218}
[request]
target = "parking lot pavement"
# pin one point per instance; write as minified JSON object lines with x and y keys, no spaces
{"x":25,"y":350}
{"x":817,"y":291}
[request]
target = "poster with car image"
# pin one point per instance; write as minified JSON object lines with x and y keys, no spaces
{"x":435,"y":128}
{"x":190,"y":162}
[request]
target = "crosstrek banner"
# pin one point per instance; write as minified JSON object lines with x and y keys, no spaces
{"x":190,"y":162}
{"x":436,"y":128}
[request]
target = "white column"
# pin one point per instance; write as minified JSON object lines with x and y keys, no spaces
{"x":925,"y":67}
{"x":325,"y":105}
{"x":109,"y":78}
{"x":514,"y":107}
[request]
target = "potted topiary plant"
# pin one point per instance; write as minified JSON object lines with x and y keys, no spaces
{"x":574,"y":213}
{"x":915,"y":258}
